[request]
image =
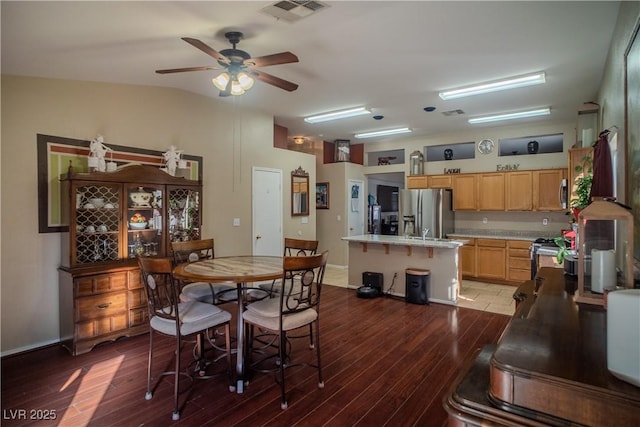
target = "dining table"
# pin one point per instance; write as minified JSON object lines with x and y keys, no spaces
{"x":241,"y":270}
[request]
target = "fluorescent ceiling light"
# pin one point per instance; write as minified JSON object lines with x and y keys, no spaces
{"x":337,"y":115}
{"x":510,"y":83}
{"x":382,"y":133}
{"x":511,"y":116}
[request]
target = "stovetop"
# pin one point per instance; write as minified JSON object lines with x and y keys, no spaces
{"x":539,"y":242}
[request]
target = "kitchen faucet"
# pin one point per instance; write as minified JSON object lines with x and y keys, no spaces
{"x":425,"y":232}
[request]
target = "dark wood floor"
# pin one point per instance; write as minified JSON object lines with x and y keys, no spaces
{"x":385,"y":363}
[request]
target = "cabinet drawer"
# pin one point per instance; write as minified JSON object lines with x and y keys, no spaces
{"x":138,"y":316}
{"x":492,"y":243}
{"x":519,"y":253}
{"x":95,"y":328}
{"x":101,"y":283}
{"x":519,"y":244}
{"x":519,"y":275}
{"x":98,"y":306}
{"x":134,"y":281}
{"x":137,"y":298}
{"x":521,"y":263}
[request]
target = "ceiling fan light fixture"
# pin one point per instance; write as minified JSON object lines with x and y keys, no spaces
{"x":221,"y":81}
{"x":240,"y":84}
{"x":494,"y":86}
{"x":386,"y":132}
{"x":510,"y":116}
{"x":245,"y":81}
{"x":335,"y":115}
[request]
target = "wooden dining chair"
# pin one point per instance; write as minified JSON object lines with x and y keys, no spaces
{"x":212,"y":293}
{"x":292,"y":247}
{"x":296,"y":307}
{"x":169,"y":316}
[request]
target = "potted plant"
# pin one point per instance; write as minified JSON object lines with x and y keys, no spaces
{"x":563,"y":251}
{"x":582,"y":186}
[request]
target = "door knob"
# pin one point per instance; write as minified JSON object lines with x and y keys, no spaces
{"x":258,"y":237}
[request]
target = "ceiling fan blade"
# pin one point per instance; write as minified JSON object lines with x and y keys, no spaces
{"x":206,"y":49}
{"x":181,"y":70}
{"x":273,"y":80}
{"x":275,"y":59}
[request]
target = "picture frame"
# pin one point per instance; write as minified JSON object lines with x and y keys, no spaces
{"x":322,"y":195}
{"x":56,"y":154}
{"x":632,"y":122}
{"x":343,"y":150}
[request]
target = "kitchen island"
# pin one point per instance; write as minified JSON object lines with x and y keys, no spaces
{"x":392,"y":255}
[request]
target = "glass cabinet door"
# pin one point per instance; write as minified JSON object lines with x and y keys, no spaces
{"x":143,"y":220}
{"x":183,"y":214}
{"x":96,"y":231}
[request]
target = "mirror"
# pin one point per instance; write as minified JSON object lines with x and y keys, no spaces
{"x":299,"y":192}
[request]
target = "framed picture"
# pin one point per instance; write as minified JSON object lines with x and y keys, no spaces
{"x":56,"y":154}
{"x":322,"y":195}
{"x":343,"y":150}
{"x":632,"y":105}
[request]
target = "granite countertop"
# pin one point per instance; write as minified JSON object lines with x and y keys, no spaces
{"x":406,"y":241}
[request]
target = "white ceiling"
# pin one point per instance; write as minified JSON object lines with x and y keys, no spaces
{"x":390,"y":56}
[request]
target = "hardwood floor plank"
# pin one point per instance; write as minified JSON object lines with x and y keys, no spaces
{"x":385,"y":362}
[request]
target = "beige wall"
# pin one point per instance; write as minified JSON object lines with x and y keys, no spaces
{"x":612,"y":90}
{"x":332,"y":223}
{"x":231,"y":138}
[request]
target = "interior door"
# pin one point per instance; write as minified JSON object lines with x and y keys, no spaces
{"x":355,"y":207}
{"x":267,"y":208}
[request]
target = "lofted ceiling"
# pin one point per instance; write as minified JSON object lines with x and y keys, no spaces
{"x":390,"y":56}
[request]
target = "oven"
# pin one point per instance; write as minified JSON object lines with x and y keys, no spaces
{"x":541,"y":247}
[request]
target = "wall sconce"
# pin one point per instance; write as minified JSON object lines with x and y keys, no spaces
{"x":299,"y":140}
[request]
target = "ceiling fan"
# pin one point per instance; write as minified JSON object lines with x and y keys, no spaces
{"x":239,"y":66}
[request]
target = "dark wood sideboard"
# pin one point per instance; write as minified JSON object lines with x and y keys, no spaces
{"x":548,"y":368}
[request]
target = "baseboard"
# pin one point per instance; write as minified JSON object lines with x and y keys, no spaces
{"x":340,"y":267}
{"x":28,"y":348}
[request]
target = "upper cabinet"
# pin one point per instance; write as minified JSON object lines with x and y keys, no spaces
{"x":491,"y":191}
{"x":549,"y":190}
{"x":464,"y":192}
{"x":518,"y":191}
{"x":439,"y":181}
{"x":136,"y":211}
{"x":537,"y":190}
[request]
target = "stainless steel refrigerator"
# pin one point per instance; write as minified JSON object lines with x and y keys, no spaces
{"x":426,"y":209}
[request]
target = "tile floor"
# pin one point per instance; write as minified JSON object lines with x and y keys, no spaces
{"x":489,"y":297}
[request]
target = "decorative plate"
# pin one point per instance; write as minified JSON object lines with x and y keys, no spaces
{"x":485,"y":146}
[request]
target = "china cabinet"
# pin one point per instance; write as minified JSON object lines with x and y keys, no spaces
{"x":115,"y":217}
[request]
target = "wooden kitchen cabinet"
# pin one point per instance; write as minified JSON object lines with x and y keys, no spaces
{"x":518,"y":191}
{"x":468,"y":258}
{"x":518,"y":261}
{"x":439,"y":181}
{"x":547,"y":189}
{"x":491,"y":258}
{"x":465,"y":192}
{"x":417,"y":181}
{"x":101,"y":295}
{"x":491,"y":191}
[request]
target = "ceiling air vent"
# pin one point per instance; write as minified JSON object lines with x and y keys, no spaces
{"x":457,"y":112}
{"x":293,"y":10}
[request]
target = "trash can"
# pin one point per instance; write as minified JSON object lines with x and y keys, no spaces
{"x":417,"y":286}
